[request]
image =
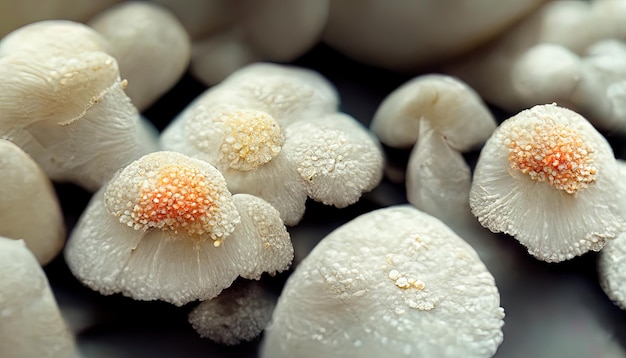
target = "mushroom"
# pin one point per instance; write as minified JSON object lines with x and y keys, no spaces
{"x":611,"y":261}
{"x":274,"y":131}
{"x":541,"y":61}
{"x":152,"y":48}
{"x":550,"y":180}
{"x":441,"y":116}
{"x":31,"y":324}
{"x":68,"y":110}
{"x":167,"y":228}
{"x":239,"y":314}
{"x":409,"y":36}
{"x":251,"y":31}
{"x":29,"y":207}
{"x":393,"y":282}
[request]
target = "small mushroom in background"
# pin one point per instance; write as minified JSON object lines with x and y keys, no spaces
{"x":394,"y":282}
{"x":152,"y":48}
{"x":410,"y":35}
{"x":612,"y":260}
{"x":31,"y":324}
{"x":29,"y":207}
{"x":14,"y":15}
{"x":550,"y":180}
{"x":239,"y":314}
{"x":167,"y":228}
{"x":550,"y":57}
{"x":274,"y":132}
{"x":237,"y":33}
{"x":441,"y":116}
{"x":68,"y":110}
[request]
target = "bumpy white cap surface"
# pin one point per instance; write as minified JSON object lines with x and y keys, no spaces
{"x":29,"y":208}
{"x":394,"y":282}
{"x":31,"y":324}
{"x":549,"y":179}
{"x":166,"y":227}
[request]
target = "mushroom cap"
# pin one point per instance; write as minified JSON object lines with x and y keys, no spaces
{"x":282,"y":31}
{"x":549,"y":179}
{"x":29,"y":205}
{"x":407,"y":35}
{"x":237,"y":315}
{"x":165,"y":228}
{"x":31,"y":324}
{"x":393,"y":282}
{"x":151,"y":47}
{"x":453,"y":109}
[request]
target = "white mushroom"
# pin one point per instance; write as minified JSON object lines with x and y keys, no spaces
{"x":440,"y":115}
{"x":408,"y":35}
{"x":166,"y":228}
{"x":237,"y":315}
{"x":31,"y":324}
{"x":611,"y":262}
{"x":258,"y":30}
{"x":69,"y":110}
{"x":29,"y":208}
{"x":394,"y":282}
{"x":550,"y":180}
{"x":151,"y":47}
{"x":274,"y":132}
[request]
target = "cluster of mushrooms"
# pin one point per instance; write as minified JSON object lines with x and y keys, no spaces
{"x":203,"y":212}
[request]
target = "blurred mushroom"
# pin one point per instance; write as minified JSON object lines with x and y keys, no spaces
{"x":29,"y":208}
{"x":394,"y":282}
{"x":409,"y":35}
{"x":31,"y":324}
{"x":239,"y":314}
{"x":68,"y":110}
{"x":166,"y":228}
{"x":440,"y":115}
{"x":549,"y":179}
{"x":274,"y":131}
{"x":258,"y":30}
{"x":151,"y":47}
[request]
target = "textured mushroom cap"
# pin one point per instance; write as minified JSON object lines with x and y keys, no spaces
{"x":394,"y":282}
{"x":282,"y":31}
{"x":31,"y":324}
{"x":174,"y":247}
{"x":406,"y":35}
{"x":237,"y":315}
{"x":336,"y":157}
{"x":453,"y":109}
{"x":29,"y":208}
{"x":612,"y":272}
{"x":151,"y":46}
{"x":549,"y":179}
{"x":50,"y":38}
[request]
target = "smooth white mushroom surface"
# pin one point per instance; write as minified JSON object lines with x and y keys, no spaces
{"x":68,"y":110}
{"x":151,"y":46}
{"x":549,"y":179}
{"x":453,"y":109}
{"x":29,"y":207}
{"x":237,"y":315}
{"x":408,"y":35}
{"x":394,"y":282}
{"x":274,"y":131}
{"x":167,"y":228}
{"x":31,"y":324}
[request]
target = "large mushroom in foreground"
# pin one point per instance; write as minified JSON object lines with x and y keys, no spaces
{"x":394,"y":282}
